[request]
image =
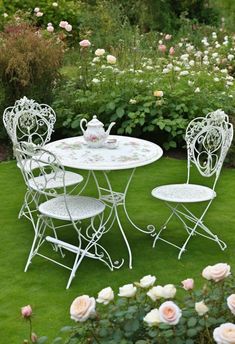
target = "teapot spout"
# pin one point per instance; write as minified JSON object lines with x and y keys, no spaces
{"x":109,"y":128}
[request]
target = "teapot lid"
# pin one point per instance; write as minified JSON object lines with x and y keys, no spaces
{"x":95,"y":122}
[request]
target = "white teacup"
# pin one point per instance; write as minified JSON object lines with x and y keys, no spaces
{"x":111,"y":143}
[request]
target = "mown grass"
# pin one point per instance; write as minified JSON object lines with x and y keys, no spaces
{"x":43,"y":286}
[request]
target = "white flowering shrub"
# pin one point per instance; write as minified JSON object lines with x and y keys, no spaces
{"x":153,"y":92}
{"x":145,"y":312}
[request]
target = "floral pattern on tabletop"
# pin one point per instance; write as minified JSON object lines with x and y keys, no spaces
{"x":129,"y":153}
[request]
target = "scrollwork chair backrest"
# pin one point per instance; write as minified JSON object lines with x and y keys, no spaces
{"x":29,"y":121}
{"x":208,"y":140}
{"x":37,"y":162}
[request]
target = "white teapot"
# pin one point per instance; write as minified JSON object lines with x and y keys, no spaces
{"x":95,"y":135}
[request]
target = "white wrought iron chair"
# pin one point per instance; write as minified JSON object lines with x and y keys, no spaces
{"x":28,"y":121}
{"x":208,"y":140}
{"x":70,"y":209}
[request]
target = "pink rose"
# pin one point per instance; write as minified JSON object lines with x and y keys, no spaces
{"x":224,"y":334}
{"x":26,"y":311}
{"x":171,"y":51}
{"x":231,"y":303}
{"x":68,"y":27}
{"x":83,"y":308}
{"x":162,"y":48}
{"x":50,"y":28}
{"x":39,"y":14}
{"x":85,"y":43}
{"x":63,"y":23}
{"x":168,"y":37}
{"x":216,"y":272}
{"x":170,"y":313}
{"x":188,"y":284}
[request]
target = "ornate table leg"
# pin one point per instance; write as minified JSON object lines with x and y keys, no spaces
{"x":114,"y":199}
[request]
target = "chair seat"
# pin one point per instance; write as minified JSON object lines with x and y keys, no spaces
{"x":53,"y":181}
{"x":183,"y":193}
{"x":80,"y":207}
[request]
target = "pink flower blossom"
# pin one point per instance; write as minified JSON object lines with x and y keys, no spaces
{"x":85,"y":43}
{"x":39,"y":14}
{"x":50,"y":28}
{"x":162,"y":48}
{"x":171,"y":51}
{"x":168,"y":37}
{"x":63,"y":23}
{"x":68,"y":27}
{"x":188,"y":284}
{"x":26,"y":311}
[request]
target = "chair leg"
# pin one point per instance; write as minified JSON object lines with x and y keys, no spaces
{"x":187,"y":215}
{"x":37,"y":241}
{"x":91,"y":243}
{"x":165,"y":224}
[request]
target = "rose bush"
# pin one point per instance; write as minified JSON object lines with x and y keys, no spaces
{"x":141,"y":315}
{"x":150,"y":93}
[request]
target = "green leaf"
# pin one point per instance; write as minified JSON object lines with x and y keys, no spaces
{"x":120,"y":112}
{"x":76,"y":123}
{"x":192,"y":322}
{"x":191,"y":332}
{"x":57,"y":340}
{"x":66,"y":329}
{"x":111,"y":106}
{"x":189,"y":341}
{"x":42,"y":340}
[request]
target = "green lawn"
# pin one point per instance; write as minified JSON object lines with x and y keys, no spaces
{"x":43,"y":286}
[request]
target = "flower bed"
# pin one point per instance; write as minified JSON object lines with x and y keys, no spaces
{"x":145,"y":313}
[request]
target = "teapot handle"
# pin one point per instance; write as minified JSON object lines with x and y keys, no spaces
{"x":81,"y":124}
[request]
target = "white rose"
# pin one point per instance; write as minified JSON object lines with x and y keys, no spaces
{"x":152,"y":318}
{"x":197,"y":90}
{"x":105,"y":296}
{"x":155,"y":293}
{"x":100,"y":52}
{"x":224,"y":334}
{"x":55,"y":4}
{"x":231,"y":303}
{"x":170,"y":313}
{"x":111,"y":59}
{"x":128,"y":290}
{"x":147,"y":281}
{"x":37,"y":9}
{"x":82,"y":308}
{"x":216,"y":272}
{"x":169,"y":291}
{"x":201,"y":308}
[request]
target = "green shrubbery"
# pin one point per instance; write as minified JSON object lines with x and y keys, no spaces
{"x":153,"y":95}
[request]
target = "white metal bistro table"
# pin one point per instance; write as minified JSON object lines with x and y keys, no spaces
{"x":129,"y":153}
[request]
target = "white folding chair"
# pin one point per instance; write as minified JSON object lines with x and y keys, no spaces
{"x":28,"y":121}
{"x":71,"y":210}
{"x":208,"y":140}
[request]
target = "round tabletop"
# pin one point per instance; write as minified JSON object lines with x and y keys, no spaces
{"x":130,"y":152}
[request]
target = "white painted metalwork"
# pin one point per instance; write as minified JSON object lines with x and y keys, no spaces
{"x":65,"y":207}
{"x":129,"y":153}
{"x":208,"y":140}
{"x":28,"y":121}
